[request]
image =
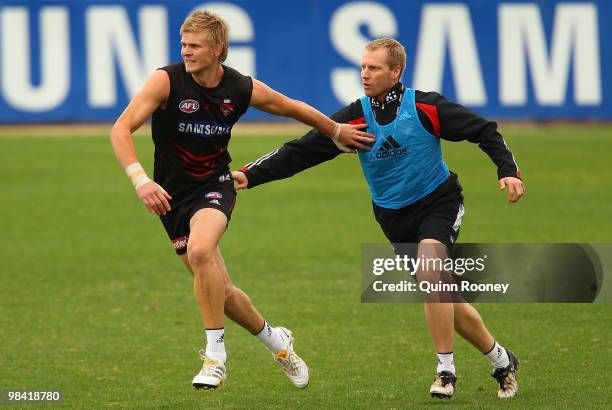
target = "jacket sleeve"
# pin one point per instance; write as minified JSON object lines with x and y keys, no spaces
{"x":454,"y":122}
{"x":299,"y":154}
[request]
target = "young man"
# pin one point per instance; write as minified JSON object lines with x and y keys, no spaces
{"x":416,"y":199}
{"x":194,"y":105}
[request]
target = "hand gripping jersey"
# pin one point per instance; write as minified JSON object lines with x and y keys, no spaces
{"x":191,"y":132}
{"x":405,"y":163}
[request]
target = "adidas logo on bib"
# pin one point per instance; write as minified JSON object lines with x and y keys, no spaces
{"x":391,"y":148}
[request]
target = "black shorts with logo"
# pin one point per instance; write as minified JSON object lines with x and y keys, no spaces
{"x":220,"y":196}
{"x":437,"y":216}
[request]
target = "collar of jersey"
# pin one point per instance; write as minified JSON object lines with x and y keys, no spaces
{"x":397,"y":88}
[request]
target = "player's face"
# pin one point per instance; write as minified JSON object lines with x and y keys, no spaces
{"x":376,"y":75}
{"x":197,"y":53}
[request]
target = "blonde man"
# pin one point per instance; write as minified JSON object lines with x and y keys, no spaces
{"x":194,"y":105}
{"x":416,"y":199}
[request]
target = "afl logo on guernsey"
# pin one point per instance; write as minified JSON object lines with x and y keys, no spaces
{"x":189,"y":106}
{"x":213,"y":195}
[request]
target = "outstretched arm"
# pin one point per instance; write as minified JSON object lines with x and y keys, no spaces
{"x":454,"y":122}
{"x":295,"y":156}
{"x":345,"y":135}
{"x":153,"y":94}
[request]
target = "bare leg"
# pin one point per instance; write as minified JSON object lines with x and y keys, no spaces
{"x":207,"y":226}
{"x":439,"y":315}
{"x":443,"y":317}
{"x":470,"y":326}
{"x":238,"y":305}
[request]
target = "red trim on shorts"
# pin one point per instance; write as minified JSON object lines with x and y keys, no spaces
{"x":360,"y":120}
{"x":180,"y":243}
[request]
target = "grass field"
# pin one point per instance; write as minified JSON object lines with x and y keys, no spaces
{"x":94,"y":303}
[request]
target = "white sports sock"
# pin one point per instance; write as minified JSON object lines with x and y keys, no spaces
{"x":498,"y":356}
{"x":215,"y":344}
{"x":272,"y":338}
{"x":446,"y":362}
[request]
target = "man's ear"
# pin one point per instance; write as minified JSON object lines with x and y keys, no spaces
{"x":218,"y":50}
{"x":397,"y":72}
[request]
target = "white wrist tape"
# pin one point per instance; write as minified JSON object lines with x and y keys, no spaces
{"x":340,"y":145}
{"x":336,"y":132}
{"x":137,"y":174}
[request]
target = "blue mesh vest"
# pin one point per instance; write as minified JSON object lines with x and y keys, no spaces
{"x":405,"y":163}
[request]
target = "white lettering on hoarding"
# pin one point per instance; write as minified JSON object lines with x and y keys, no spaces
{"x":240,"y":57}
{"x":345,"y":36}
{"x":442,"y":26}
{"x":574,"y":43}
{"x":111,"y":43}
{"x":116,"y":46}
{"x":16,"y":65}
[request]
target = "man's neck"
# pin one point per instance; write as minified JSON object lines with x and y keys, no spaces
{"x":386,"y":108}
{"x":210,"y":77}
{"x":381,"y":97}
{"x":396,"y":87}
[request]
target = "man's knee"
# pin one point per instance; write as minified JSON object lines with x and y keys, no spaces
{"x":201,"y":255}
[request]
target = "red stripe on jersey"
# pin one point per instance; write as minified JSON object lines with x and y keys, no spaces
{"x":432,"y":113}
{"x":210,"y":169}
{"x":200,"y":157}
{"x":198,"y":165}
{"x":205,"y":174}
{"x":360,"y":120}
{"x":199,"y":170}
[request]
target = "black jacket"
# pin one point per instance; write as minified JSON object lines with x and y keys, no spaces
{"x":446,"y":120}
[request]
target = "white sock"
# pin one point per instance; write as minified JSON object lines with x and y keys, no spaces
{"x":272,"y":338}
{"x":498,"y":356}
{"x":446,"y":362}
{"x":215,"y":344}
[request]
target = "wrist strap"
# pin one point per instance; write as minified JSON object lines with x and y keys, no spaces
{"x":336,"y":132}
{"x":137,"y":175}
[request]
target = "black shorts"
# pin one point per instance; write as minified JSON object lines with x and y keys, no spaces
{"x":176,"y":222}
{"x":437,"y":216}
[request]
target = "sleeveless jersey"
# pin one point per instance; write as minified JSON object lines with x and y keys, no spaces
{"x":192,"y":131}
{"x":405,"y":163}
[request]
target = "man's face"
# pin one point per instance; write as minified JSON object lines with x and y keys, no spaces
{"x":376,"y":76}
{"x":197,"y":52}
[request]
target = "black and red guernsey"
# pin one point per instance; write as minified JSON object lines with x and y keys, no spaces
{"x":192,"y":130}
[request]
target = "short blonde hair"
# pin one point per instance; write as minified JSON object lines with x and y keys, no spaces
{"x":396,"y":55}
{"x":215,"y":28}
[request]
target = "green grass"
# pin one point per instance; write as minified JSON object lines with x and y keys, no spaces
{"x":94,"y":303}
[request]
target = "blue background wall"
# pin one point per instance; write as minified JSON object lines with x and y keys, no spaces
{"x":299,"y":47}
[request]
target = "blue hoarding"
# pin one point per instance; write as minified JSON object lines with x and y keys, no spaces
{"x":83,"y":60}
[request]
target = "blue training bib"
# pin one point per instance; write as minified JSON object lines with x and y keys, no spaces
{"x":405,"y":163}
